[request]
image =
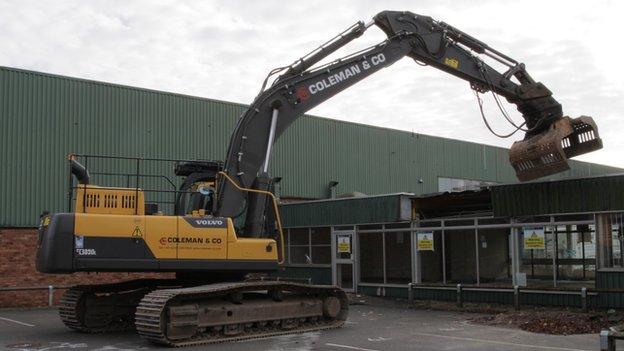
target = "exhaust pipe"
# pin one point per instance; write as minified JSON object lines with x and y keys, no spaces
{"x":547,"y":153}
{"x":79,"y":171}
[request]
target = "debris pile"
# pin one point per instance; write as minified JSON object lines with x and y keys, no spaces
{"x":549,"y":322}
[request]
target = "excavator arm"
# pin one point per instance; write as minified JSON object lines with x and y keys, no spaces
{"x":549,"y":140}
{"x":448,"y":49}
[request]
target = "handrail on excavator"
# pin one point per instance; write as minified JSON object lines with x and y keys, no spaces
{"x":275,"y":208}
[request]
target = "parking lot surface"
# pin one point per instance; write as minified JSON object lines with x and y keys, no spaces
{"x":369,"y":328}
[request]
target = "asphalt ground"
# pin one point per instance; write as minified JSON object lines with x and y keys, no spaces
{"x":372,"y":327}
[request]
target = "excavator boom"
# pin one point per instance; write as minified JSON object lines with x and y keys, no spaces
{"x":550,"y":138}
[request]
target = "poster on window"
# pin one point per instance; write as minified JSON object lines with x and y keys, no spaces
{"x":344,"y":243}
{"x":534,"y":238}
{"x":425,"y":241}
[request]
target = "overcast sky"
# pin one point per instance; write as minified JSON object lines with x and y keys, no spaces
{"x":224,"y":49}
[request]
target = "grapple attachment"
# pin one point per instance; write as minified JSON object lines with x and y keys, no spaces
{"x":547,"y":153}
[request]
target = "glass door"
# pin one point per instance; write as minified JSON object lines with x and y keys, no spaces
{"x":343,"y":259}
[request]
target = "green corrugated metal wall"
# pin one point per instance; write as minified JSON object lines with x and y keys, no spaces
{"x":527,"y":298}
{"x":45,"y":117}
{"x":610,"y":279}
{"x":595,"y":194}
{"x":373,"y":209}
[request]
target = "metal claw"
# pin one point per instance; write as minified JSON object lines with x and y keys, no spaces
{"x":547,"y":153}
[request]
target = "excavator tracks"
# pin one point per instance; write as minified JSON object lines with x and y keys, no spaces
{"x":106,"y":307}
{"x":227,"y":312}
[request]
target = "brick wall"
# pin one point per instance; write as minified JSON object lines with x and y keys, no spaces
{"x":17,"y":269}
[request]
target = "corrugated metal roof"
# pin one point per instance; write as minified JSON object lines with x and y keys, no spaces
{"x":590,"y":194}
{"x":44,"y":117}
{"x":359,"y":210}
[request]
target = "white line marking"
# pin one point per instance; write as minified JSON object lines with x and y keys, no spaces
{"x":17,"y":322}
{"x":350,"y":347}
{"x":501,"y":342}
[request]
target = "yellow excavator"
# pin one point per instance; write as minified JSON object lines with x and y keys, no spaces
{"x":226,"y":222}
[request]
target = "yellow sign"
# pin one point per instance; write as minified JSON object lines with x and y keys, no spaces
{"x":425,"y":241}
{"x":534,"y":238}
{"x":451,"y":62}
{"x":344,"y":244}
{"x":137,"y":232}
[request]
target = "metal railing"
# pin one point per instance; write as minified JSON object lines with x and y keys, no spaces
{"x":50,"y":288}
{"x":132,"y":173}
{"x":459,"y":290}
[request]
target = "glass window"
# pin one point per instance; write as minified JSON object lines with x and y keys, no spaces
{"x":321,"y":236}
{"x":431,"y":266}
{"x":460,"y":256}
{"x":398,"y":258}
{"x":537,"y":264}
{"x":321,"y":254}
{"x":320,"y":245}
{"x":371,"y":257}
{"x":494,"y":262}
{"x":300,"y":255}
{"x":573,"y":244}
{"x":300,"y":236}
{"x":569,"y":254}
{"x":299,"y":246}
{"x":345,"y":276}
{"x":309,"y":245}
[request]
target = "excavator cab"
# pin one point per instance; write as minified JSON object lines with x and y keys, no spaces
{"x":197,"y":192}
{"x":547,"y":153}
